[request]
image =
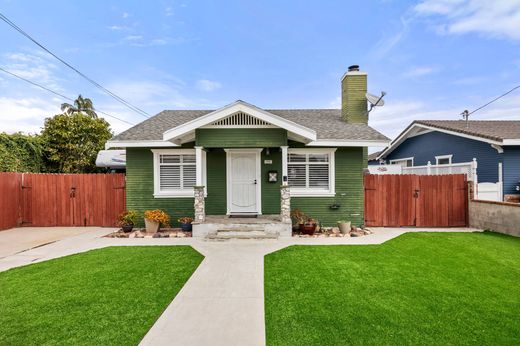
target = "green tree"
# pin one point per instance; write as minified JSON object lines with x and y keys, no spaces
{"x":81,"y":105}
{"x":21,"y":153}
{"x":72,"y":141}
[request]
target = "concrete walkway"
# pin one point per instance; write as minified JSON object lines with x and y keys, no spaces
{"x":223,"y":301}
{"x":16,"y":240}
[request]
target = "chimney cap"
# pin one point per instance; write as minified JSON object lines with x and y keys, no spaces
{"x":353,"y":68}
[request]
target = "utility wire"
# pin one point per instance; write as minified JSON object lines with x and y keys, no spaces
{"x":58,"y":94}
{"x":116,"y":97}
{"x":466,"y":113}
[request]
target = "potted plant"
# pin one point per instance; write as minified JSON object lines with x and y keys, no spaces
{"x":185,"y":223}
{"x":153,"y":219}
{"x":127,"y":220}
{"x":344,"y":226}
{"x":299,"y":218}
{"x":310,"y":226}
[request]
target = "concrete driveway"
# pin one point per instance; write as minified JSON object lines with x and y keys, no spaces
{"x":15,"y":240}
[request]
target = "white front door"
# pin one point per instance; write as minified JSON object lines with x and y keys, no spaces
{"x":243,"y":181}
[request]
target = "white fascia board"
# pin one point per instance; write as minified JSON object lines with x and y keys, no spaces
{"x":348,"y":143}
{"x":239,"y":106}
{"x":396,"y":142}
{"x":511,"y":142}
{"x":138,"y":144}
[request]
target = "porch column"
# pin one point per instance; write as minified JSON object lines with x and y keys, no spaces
{"x":284,"y":164}
{"x":199,"y":204}
{"x":199,"y":188}
{"x":198,"y":166}
{"x":285,"y":203}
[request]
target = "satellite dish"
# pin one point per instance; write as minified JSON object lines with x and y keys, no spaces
{"x":376,"y":101}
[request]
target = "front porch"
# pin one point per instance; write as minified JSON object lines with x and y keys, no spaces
{"x":226,"y":227}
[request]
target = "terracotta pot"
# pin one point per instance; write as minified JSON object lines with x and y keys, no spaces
{"x":151,"y":226}
{"x":309,"y":228}
{"x":301,"y":227}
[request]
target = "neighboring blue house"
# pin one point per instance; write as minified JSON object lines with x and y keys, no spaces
{"x":440,"y":142}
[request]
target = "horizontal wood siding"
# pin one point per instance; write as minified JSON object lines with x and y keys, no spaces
{"x":271,"y":191}
{"x":139,"y":188}
{"x":216,"y":181}
{"x":349,"y":192}
{"x":241,"y":138}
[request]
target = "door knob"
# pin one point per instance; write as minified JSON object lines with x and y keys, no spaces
{"x":254,"y":182}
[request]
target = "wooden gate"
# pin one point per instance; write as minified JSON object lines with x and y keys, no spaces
{"x":416,"y":200}
{"x":72,"y":199}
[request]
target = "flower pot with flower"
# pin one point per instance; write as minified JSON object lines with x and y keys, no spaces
{"x":127,"y":220}
{"x":185,"y":223}
{"x":153,"y":220}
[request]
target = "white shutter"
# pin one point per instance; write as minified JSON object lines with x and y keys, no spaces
{"x":170,"y":177}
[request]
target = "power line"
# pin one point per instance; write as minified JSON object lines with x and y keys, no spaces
{"x":116,"y":97}
{"x":58,"y":94}
{"x":466,"y":114}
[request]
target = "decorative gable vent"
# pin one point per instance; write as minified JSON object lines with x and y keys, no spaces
{"x":240,"y":119}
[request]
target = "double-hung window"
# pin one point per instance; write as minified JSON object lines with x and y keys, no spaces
{"x":174,"y":172}
{"x":311,"y":172}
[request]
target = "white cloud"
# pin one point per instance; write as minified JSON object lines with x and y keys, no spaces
{"x":117,"y":27}
{"x":420,"y":71}
{"x":208,"y":85}
{"x":125,"y":15}
{"x":26,"y":114}
{"x":498,"y":18}
{"x":388,"y":42}
{"x":168,"y":11}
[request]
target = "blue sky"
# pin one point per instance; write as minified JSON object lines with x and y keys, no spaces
{"x":434,"y":58}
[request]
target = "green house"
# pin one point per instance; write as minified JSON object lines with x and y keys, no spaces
{"x":243,"y":166}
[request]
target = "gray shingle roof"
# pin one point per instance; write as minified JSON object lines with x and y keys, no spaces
{"x":490,"y":129}
{"x":327,"y":123}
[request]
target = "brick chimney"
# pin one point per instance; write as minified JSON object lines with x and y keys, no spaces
{"x":354,"y":107}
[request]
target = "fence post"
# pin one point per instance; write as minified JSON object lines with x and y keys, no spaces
{"x":474,"y":166}
{"x":429,"y":168}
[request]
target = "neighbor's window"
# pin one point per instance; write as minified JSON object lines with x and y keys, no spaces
{"x":311,"y":172}
{"x":408,"y":162}
{"x":443,"y":160}
{"x":175,"y":173}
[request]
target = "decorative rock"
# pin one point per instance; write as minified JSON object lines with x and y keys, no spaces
{"x":354,"y":234}
{"x":173,"y":235}
{"x":157,"y":235}
{"x":138,"y":234}
{"x":366,"y":232}
{"x":180,"y":235}
{"x":335,"y":230}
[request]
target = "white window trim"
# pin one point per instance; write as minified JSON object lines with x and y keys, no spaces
{"x":157,"y":193}
{"x":437,"y":158}
{"x":304,"y":192}
{"x":393,"y":162}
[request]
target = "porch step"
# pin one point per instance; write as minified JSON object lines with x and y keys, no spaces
{"x":227,"y":234}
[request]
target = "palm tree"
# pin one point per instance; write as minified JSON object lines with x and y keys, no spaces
{"x":81,"y":105}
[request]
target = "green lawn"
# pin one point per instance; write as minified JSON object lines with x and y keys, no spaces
{"x":420,"y":288}
{"x":110,"y":296}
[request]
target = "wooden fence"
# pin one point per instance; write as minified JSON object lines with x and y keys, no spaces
{"x":30,"y":199}
{"x":416,"y":200}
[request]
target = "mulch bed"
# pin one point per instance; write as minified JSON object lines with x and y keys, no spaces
{"x":141,"y":233}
